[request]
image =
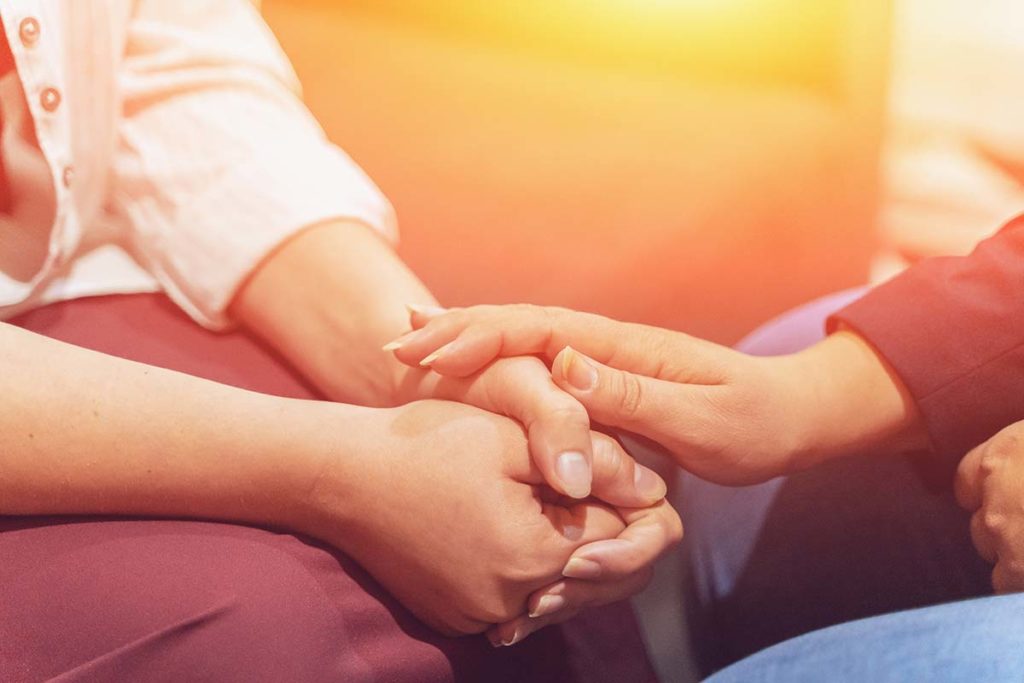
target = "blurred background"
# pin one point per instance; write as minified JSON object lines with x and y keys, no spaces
{"x":695,"y":164}
{"x":701,"y":165}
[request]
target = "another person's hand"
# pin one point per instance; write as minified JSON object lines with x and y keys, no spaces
{"x":990,"y":483}
{"x":726,"y":416}
{"x":557,"y":426}
{"x":444,"y":506}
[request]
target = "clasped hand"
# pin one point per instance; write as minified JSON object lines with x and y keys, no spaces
{"x":990,"y":484}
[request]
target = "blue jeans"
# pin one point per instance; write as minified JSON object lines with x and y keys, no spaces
{"x":974,"y":640}
{"x":852,"y":539}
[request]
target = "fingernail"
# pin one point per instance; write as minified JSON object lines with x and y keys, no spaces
{"x":578,"y":370}
{"x":432,"y":357}
{"x":648,"y":483}
{"x":579,"y":568}
{"x":493,"y":640}
{"x":518,"y":635}
{"x":400,"y":342}
{"x":549,"y":604}
{"x":574,"y":473}
{"x":425,"y":309}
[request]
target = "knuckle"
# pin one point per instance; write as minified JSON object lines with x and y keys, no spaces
{"x":991,"y":460}
{"x":1005,"y":444}
{"x":674,"y":528}
{"x":608,"y":458}
{"x":630,"y":395}
{"x":563,"y":407}
{"x":993,"y":522}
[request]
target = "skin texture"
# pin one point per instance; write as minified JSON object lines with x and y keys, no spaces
{"x":132,"y":439}
{"x":728,"y":417}
{"x":990,"y":484}
{"x":331,"y":297}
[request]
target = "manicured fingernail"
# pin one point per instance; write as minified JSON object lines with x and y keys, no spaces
{"x":400,"y":342}
{"x":648,"y":483}
{"x":578,"y":370}
{"x":574,"y":473}
{"x":579,"y":568}
{"x":425,"y":309}
{"x":426,"y":362}
{"x":431,"y":358}
{"x":549,"y":604}
{"x":518,"y":635}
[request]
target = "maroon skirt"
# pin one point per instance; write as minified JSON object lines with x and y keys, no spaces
{"x":98,"y":599}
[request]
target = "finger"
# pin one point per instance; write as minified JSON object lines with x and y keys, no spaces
{"x":557,"y":426}
{"x":523,"y":329}
{"x":1006,"y":580}
{"x":649,"y":407}
{"x":649,"y":532}
{"x":969,"y":478}
{"x":564,"y":600}
{"x":421,"y":314}
{"x":578,"y":524}
{"x":516,"y":630}
{"x":619,"y":480}
{"x":473,"y":349}
{"x":984,"y":527}
{"x":413,"y":347}
{"x":462,"y":341}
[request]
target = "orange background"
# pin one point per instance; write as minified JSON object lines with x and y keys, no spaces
{"x":693,"y":164}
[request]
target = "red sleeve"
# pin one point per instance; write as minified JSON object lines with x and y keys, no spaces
{"x":953,"y":330}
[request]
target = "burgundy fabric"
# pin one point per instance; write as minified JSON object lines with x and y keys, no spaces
{"x":90,"y":599}
{"x":953,"y":330}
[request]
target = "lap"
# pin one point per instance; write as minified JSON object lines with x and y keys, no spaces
{"x":973,"y":640}
{"x":855,"y":538}
{"x":133,"y":599}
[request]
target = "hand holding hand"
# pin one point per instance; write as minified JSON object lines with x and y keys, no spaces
{"x":447,"y":510}
{"x":726,"y":416}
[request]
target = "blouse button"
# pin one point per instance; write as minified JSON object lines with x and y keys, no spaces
{"x":50,"y":99}
{"x":28,"y":31}
{"x":68,"y":176}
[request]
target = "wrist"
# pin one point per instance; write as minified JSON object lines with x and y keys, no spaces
{"x":849,"y":401}
{"x":318,"y":459}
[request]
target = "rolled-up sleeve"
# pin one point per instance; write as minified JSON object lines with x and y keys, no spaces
{"x":218,"y":161}
{"x":953,"y":330}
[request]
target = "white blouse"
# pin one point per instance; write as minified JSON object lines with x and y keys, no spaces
{"x":157,"y":144}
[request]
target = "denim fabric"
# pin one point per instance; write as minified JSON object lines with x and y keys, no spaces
{"x":852,"y":539}
{"x":973,"y":640}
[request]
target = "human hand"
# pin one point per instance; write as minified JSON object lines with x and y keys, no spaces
{"x":726,"y":416}
{"x":990,"y":484}
{"x":557,"y":426}
{"x":599,"y":573}
{"x":442,"y":504}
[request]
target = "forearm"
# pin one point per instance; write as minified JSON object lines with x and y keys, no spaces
{"x":846,"y":400}
{"x":86,"y":433}
{"x":328,"y":299}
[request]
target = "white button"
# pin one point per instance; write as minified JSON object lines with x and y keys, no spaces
{"x":50,"y":99}
{"x":28,"y":31}
{"x":68,"y":176}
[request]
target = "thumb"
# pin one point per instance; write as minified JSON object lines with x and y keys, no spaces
{"x":617,"y":398}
